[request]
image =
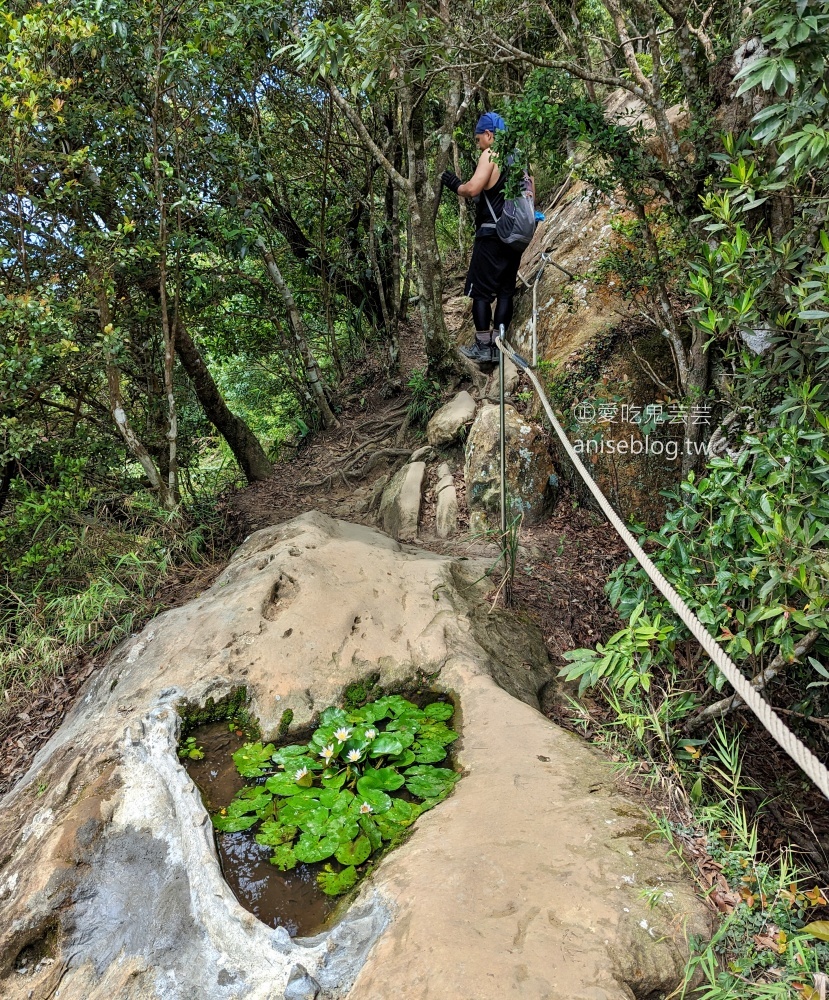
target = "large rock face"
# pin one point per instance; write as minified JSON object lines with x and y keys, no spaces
{"x":530,"y":472}
{"x":525,"y":882}
{"x":400,"y":505}
{"x":448,"y":422}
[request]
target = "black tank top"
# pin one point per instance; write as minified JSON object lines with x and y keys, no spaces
{"x":483,"y":216}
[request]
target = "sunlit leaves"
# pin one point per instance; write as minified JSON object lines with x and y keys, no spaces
{"x":335,"y":795}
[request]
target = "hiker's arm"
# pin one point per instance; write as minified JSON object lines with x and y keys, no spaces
{"x":480,"y":179}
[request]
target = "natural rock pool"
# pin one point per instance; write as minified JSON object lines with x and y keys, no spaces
{"x":292,"y":899}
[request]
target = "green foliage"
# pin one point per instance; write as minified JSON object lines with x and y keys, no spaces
{"x":334,"y":795}
{"x":624,"y":661}
{"x":425,"y":396}
{"x":81,"y":569}
{"x":189,"y":748}
{"x":767,"y":939}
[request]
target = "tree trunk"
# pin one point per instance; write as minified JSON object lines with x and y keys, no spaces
{"x":6,"y":479}
{"x":696,"y":388}
{"x":241,"y":440}
{"x":313,"y":376}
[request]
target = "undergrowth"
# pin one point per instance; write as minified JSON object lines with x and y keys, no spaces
{"x":82,"y":569}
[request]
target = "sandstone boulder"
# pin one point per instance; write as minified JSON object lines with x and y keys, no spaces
{"x":530,"y":489}
{"x":446,"y":515}
{"x":528,"y":881}
{"x":450,"y":419}
{"x":400,"y":505}
{"x":493,"y":386}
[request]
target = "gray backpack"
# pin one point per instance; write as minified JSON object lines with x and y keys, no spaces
{"x":516,"y":224}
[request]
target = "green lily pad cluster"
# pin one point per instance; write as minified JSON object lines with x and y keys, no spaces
{"x":341,"y":795}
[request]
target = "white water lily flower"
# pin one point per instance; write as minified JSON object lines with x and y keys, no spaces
{"x":353,"y":756}
{"x":327,"y":752}
{"x":342,"y":734}
{"x":365,"y":808}
{"x":300,"y":773}
{"x":370,"y":734}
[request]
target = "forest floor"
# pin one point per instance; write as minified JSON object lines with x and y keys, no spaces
{"x":561,"y":571}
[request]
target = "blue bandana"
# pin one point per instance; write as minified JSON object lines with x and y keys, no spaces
{"x":490,"y":122}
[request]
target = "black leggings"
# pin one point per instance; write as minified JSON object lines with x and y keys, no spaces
{"x":482,"y":313}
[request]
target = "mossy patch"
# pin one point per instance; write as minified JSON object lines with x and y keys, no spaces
{"x":233,"y":708}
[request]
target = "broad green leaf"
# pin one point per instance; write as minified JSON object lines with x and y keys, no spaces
{"x":354,"y":852}
{"x":336,"y":883}
{"x":286,"y":756}
{"x":296,"y":810}
{"x":284,"y":858}
{"x":387,"y":779}
{"x":439,"y":710}
{"x":272,"y":833}
{"x":429,"y":753}
{"x":379,"y":801}
{"x":369,"y":827}
{"x":385,"y":744}
{"x":425,"y":782}
{"x":284,"y":784}
{"x":311,"y":849}
{"x":818,"y":929}
{"x":337,"y":781}
{"x":253,"y":759}
{"x":314,"y":821}
{"x":334,"y":718}
{"x":233,"y":824}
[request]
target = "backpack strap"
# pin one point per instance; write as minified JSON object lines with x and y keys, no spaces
{"x":490,"y":225}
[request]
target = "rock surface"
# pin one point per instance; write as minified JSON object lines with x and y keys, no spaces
{"x":446,"y":515}
{"x":529,"y":468}
{"x":450,"y":419}
{"x":400,"y":505}
{"x":526,"y":882}
{"x":493,"y":386}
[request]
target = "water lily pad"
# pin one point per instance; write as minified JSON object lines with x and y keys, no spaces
{"x":372,"y":831}
{"x":334,"y":716}
{"x":379,"y":801}
{"x":343,"y":802}
{"x":439,"y":710}
{"x":429,"y":753}
{"x":296,"y":810}
{"x":336,"y":883}
{"x":402,"y":759}
{"x":404,"y":812}
{"x":437,"y":732}
{"x":344,"y":828}
{"x":426,"y":782}
{"x":387,"y":779}
{"x":311,"y":849}
{"x":354,"y":852}
{"x":233,"y":824}
{"x":284,"y":784}
{"x":405,"y":735}
{"x":314,"y":821}
{"x":253,"y":759}
{"x":272,"y":833}
{"x":335,"y":781}
{"x":385,"y":744}
{"x":284,"y":858}
{"x":286,"y":756}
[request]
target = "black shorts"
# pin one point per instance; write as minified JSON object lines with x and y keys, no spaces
{"x":493,"y":269}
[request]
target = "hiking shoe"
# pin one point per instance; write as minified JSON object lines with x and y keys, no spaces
{"x":482,"y":353}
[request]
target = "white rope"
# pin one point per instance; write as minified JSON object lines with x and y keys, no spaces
{"x":780,"y":732}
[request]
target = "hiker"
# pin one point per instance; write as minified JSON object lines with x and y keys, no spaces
{"x":494,"y":266}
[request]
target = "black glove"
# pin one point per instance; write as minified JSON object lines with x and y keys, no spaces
{"x":450,"y":180}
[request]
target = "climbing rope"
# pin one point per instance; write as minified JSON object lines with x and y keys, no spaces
{"x":779,"y":731}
